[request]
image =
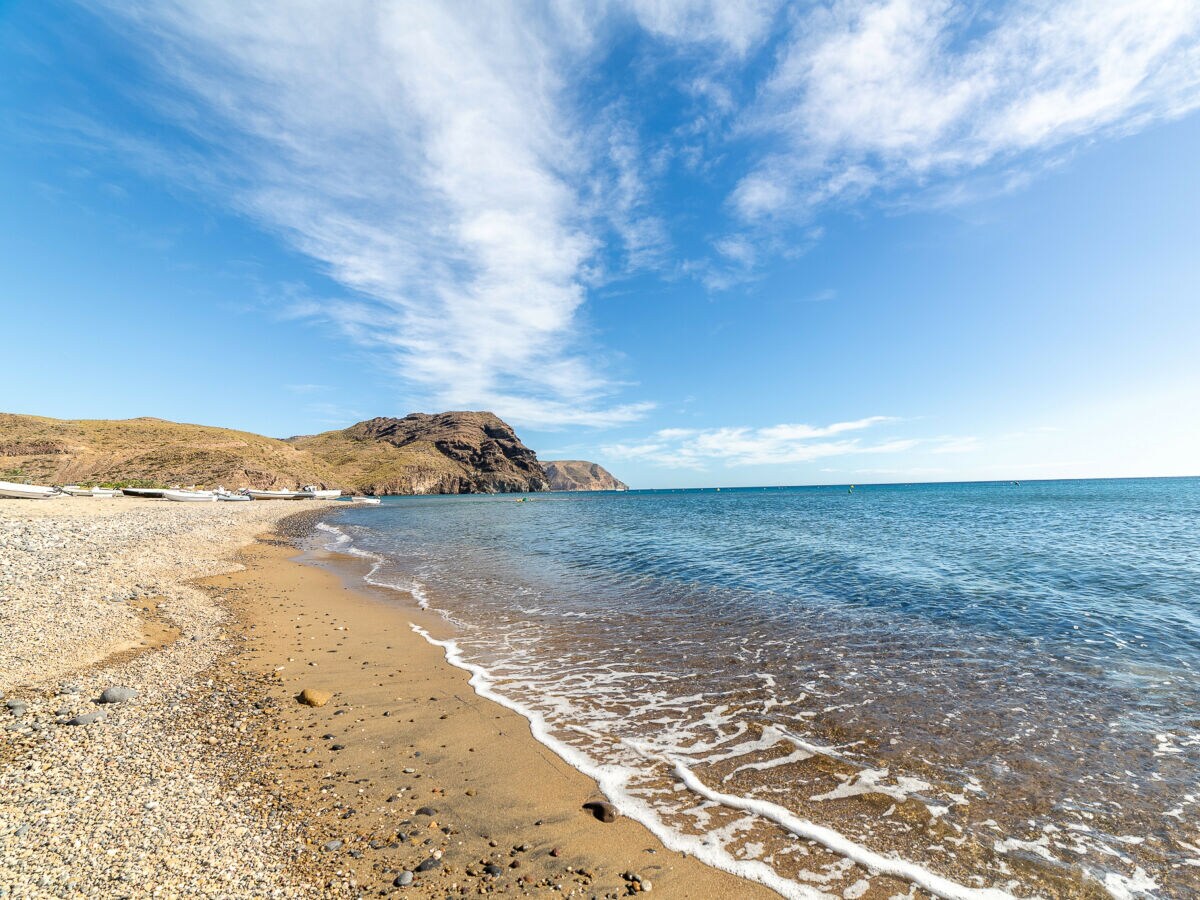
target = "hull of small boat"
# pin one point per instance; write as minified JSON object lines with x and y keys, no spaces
{"x":370,"y":501}
{"x":280,"y":495}
{"x":324,"y":495}
{"x":190,"y":496}
{"x":142,"y":492}
{"x":234,"y":498}
{"x":15,"y":491}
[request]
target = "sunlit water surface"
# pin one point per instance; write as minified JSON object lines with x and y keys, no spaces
{"x":993,"y":683}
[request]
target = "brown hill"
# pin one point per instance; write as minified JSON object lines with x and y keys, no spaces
{"x":447,"y":453}
{"x":580,"y":475}
{"x":150,"y":451}
{"x":465,"y":452}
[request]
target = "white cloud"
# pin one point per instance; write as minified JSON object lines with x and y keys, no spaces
{"x":874,"y":94}
{"x":425,"y":154}
{"x":773,"y":445}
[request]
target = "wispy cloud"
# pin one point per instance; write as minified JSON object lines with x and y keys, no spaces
{"x":450,"y":166}
{"x":774,"y":445}
{"x":427,"y":157}
{"x":880,"y":94}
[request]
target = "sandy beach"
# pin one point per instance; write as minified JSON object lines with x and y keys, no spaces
{"x":213,"y":780}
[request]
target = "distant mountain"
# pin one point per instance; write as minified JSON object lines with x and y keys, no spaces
{"x":448,"y":453}
{"x":580,"y":475}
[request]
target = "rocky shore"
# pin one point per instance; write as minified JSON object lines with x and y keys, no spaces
{"x":158,"y":793}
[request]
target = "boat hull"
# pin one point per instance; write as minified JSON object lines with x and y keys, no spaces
{"x":142,"y":492}
{"x":14,"y":491}
{"x":191,"y":496}
{"x":280,"y":495}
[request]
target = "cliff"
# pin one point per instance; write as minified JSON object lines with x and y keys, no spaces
{"x":580,"y":475}
{"x":449,"y":453}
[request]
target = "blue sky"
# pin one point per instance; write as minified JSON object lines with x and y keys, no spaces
{"x":700,"y":243}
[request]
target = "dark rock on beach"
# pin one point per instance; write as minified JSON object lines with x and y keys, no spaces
{"x":602,"y":810}
{"x":118,"y":694}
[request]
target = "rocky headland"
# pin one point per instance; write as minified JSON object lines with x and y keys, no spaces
{"x":581,"y":475}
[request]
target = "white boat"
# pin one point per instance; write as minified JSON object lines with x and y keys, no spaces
{"x":27,"y":491}
{"x":191,"y":496}
{"x":319,"y":494}
{"x":230,"y":496}
{"x":278,"y":495}
{"x":76,"y":491}
{"x":370,"y":501}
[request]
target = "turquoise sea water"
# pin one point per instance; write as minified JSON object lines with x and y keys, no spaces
{"x":994,"y":684}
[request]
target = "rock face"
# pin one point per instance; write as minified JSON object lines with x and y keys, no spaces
{"x":580,"y":475}
{"x":446,"y":453}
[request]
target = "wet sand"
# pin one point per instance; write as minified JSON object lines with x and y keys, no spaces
{"x":405,"y":765}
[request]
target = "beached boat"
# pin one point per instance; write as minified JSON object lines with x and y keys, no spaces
{"x":76,"y":491}
{"x":231,"y":496}
{"x":190,"y":496}
{"x":142,"y":492}
{"x":279,"y":495}
{"x":370,"y":501}
{"x":27,"y":491}
{"x":319,"y":494}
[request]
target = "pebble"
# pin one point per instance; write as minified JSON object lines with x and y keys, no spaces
{"x":330,"y":846}
{"x":428,"y":863}
{"x":314,"y":697}
{"x":426,"y":811}
{"x":89,"y":718}
{"x":404,"y":879}
{"x":118,"y":694}
{"x":602,"y":810}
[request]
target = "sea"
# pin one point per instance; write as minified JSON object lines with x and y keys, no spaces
{"x":978,"y":690}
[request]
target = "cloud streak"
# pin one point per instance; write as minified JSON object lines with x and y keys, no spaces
{"x":774,"y":445}
{"x":426,"y":156}
{"x":445,"y":164}
{"x":886,"y":94}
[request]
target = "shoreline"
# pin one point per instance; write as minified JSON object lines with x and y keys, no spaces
{"x":205,"y":782}
{"x":413,"y":735}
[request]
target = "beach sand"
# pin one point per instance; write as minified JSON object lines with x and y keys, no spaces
{"x":215,"y":781}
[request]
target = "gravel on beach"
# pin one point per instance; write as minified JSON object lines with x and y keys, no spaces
{"x":158,"y":792}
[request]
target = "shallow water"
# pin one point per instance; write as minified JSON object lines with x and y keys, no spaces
{"x":975,"y":686}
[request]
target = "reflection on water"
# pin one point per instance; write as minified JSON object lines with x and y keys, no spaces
{"x":970,"y":686}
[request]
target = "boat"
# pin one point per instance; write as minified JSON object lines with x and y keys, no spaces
{"x":234,"y":497}
{"x":370,"y":501}
{"x":319,"y":494}
{"x":278,"y":495}
{"x":76,"y":491}
{"x":142,"y":492}
{"x":190,"y":496}
{"x":27,"y":491}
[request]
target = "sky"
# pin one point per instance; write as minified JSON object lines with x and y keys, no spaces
{"x":701,"y":243}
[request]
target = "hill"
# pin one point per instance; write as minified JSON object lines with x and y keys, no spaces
{"x":151,"y":451}
{"x":457,"y":452}
{"x":580,"y":475}
{"x":446,"y":453}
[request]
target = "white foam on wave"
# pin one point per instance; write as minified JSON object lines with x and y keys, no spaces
{"x":343,"y":543}
{"x":614,"y":780}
